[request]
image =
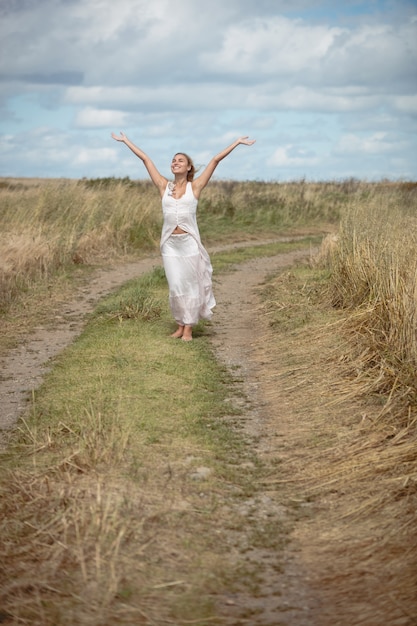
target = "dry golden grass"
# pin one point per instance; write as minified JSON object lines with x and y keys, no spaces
{"x":362,"y":461}
{"x":347,"y":458}
{"x":70,"y":526}
{"x":373,"y":284}
{"x":373,"y":277}
{"x":47,"y":226}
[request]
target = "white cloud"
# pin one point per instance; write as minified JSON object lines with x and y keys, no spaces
{"x":291,"y":156}
{"x":378,"y":143}
{"x":90,"y":117}
{"x":406,"y":104}
{"x":326,"y":56}
{"x":277,"y":46}
{"x":209,"y":96}
{"x":85,"y":156}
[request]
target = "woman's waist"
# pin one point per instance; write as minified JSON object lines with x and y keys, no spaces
{"x":179,"y":231}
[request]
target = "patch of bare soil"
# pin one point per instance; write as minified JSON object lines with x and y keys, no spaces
{"x":323,"y":573}
{"x":284,"y":596}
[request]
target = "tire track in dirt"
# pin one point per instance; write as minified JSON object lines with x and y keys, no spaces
{"x":285,"y":598}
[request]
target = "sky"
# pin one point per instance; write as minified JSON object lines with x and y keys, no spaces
{"x":327,"y":88}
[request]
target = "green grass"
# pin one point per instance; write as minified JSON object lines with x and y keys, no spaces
{"x":224,"y":261}
{"x":126,"y":370}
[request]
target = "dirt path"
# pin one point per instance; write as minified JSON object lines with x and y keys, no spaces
{"x":23,"y":368}
{"x":238,"y":331}
{"x":233,"y":334}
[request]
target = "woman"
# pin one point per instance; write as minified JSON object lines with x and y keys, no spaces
{"x":186,"y":261}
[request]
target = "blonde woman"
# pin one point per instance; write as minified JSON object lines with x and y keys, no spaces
{"x":186,"y":262}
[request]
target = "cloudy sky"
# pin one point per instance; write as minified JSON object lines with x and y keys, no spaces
{"x":327,"y":88}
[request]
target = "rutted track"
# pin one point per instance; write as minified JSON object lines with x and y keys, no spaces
{"x":24,"y":367}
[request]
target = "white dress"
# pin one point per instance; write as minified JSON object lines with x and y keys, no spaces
{"x":186,"y":262}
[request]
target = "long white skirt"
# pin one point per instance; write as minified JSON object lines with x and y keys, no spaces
{"x":189,"y":280}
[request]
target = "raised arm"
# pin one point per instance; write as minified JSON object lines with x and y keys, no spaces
{"x":207,"y":173}
{"x":157,"y":178}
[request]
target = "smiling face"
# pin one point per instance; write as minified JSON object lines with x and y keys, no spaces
{"x":180,"y":164}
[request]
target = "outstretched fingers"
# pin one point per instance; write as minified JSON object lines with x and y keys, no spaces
{"x":247,"y":141}
{"x":120,"y":137}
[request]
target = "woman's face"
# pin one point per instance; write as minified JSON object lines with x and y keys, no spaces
{"x":179,"y":164}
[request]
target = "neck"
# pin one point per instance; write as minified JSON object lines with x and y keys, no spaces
{"x":180,"y":181}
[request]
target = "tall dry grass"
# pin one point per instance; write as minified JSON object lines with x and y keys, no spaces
{"x":254,"y":204}
{"x":373,"y":265}
{"x":48,"y":225}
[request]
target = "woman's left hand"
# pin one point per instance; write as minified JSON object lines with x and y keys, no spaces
{"x":246,"y":141}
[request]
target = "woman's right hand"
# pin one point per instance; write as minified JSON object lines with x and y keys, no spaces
{"x":121,"y":137}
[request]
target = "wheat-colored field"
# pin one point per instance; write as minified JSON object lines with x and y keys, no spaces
{"x":373,"y":276}
{"x":51,"y":226}
{"x":48,"y":225}
{"x":93,"y":490}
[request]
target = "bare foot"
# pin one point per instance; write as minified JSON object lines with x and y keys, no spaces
{"x":187,"y":333}
{"x":178,"y":333}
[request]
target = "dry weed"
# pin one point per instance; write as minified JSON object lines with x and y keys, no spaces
{"x":373,"y":265}
{"x":351,"y":455}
